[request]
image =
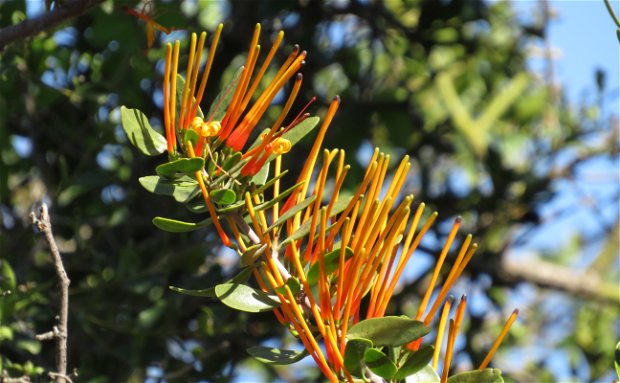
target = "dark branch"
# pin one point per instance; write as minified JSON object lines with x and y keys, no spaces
{"x":30,"y":27}
{"x":59,"y":333}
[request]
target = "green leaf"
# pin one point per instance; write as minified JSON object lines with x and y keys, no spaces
{"x":245,"y":298}
{"x":425,"y":375}
{"x":379,"y":363}
{"x":304,"y":229}
{"x":251,"y":254}
{"x":223,"y":196}
{"x":415,"y":362}
{"x":389,"y":331}
{"x":221,"y":102}
{"x":332,"y":262}
{"x":180,"y":167}
{"x":291,"y":212}
{"x":174,"y":226}
{"x":191,"y":136}
{"x":261,"y":176}
{"x":489,"y":375}
{"x":182,"y":189}
{"x":231,"y":161}
{"x":272,"y":355}
{"x":292,"y":283}
{"x":354,"y":354}
{"x":242,"y":277}
{"x":140,"y":134}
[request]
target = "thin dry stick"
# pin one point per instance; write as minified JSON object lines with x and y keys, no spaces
{"x":59,"y":332}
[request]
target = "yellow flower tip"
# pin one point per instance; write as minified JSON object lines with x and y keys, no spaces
{"x":281,"y":145}
{"x":197,"y":124}
{"x":210,"y":129}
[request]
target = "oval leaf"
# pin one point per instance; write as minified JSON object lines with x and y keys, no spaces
{"x":389,"y":331}
{"x":245,"y":298}
{"x":242,"y":277}
{"x":425,"y":375}
{"x":174,"y":226}
{"x":354,"y":354}
{"x":332,"y":262}
{"x":140,"y":134}
{"x":489,"y":375}
{"x":272,"y":355}
{"x":182,"y":189}
{"x":180,"y":167}
{"x":379,"y":363}
{"x":223,"y":196}
{"x":417,"y":361}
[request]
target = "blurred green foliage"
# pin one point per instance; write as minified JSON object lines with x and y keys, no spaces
{"x":446,"y":82}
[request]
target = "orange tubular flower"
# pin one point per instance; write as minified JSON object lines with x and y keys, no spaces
{"x":343,"y":250}
{"x":378,"y":235}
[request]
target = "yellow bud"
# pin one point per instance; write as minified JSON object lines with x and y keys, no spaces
{"x":281,"y":145}
{"x":210,"y":129}
{"x":196,"y":123}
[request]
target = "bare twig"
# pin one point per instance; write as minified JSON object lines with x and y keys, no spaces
{"x":59,"y":332}
{"x":30,"y":27}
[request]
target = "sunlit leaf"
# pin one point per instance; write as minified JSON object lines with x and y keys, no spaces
{"x":242,"y":277}
{"x":389,"y":331}
{"x":223,"y":196}
{"x":272,"y":355}
{"x":425,"y":375}
{"x":489,"y":375}
{"x":182,"y":189}
{"x":261,"y":176}
{"x":140,"y":134}
{"x":180,"y":167}
{"x":175,"y":226}
{"x":245,"y":298}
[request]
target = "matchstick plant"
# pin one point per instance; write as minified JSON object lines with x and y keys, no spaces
{"x":326,"y":262}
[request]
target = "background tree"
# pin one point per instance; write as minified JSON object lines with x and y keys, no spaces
{"x":445,"y":82}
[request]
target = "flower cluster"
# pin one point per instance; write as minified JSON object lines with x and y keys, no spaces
{"x":320,"y":252}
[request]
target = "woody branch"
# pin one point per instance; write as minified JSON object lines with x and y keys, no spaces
{"x":30,"y":27}
{"x":59,"y":332}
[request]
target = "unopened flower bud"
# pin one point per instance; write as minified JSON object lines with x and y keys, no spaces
{"x":210,"y":129}
{"x":197,"y":123}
